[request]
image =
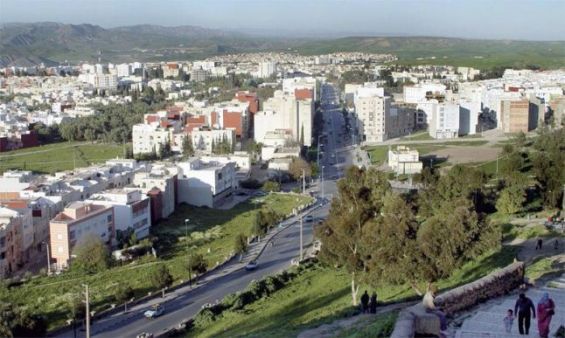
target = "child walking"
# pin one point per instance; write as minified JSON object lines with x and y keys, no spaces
{"x":508,"y":320}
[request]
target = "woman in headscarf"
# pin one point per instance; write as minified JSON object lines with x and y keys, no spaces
{"x":546,"y":309}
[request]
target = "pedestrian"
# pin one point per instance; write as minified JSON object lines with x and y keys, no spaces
{"x":525,"y":309}
{"x":546,"y":310}
{"x":373,"y":303}
{"x":539,"y":244}
{"x":508,"y":320}
{"x":364,"y":302}
{"x":556,"y":244}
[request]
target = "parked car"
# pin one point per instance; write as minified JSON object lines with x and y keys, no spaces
{"x":144,"y":335}
{"x":251,"y":266}
{"x":309,"y":219}
{"x":155,"y":311}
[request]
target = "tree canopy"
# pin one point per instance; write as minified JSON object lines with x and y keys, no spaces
{"x":91,"y":255}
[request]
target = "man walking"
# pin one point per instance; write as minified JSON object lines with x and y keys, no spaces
{"x":539,"y":244}
{"x":364,"y":302}
{"x":525,"y":309}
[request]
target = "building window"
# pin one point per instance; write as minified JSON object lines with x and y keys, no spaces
{"x":59,"y":236}
{"x":109,"y":218}
{"x":60,"y":249}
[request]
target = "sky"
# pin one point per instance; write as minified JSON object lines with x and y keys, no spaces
{"x":487,"y":19}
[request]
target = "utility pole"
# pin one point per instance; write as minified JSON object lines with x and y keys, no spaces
{"x":322,"y":182}
{"x":48,"y":259}
{"x":497,"y":166}
{"x":186,"y":221}
{"x":87,"y":314}
{"x":301,"y":240}
{"x":303,"y":181}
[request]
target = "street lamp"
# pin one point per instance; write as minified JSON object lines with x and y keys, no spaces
{"x":186,"y":221}
{"x":323,"y":181}
{"x":48,"y":258}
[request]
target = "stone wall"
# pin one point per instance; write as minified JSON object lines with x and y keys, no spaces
{"x":414,"y":319}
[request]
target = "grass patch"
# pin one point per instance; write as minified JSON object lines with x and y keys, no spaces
{"x":512,"y":231}
{"x":379,"y":326}
{"x":56,"y":157}
{"x":422,"y":136}
{"x":321,"y":295}
{"x":212,"y":233}
{"x":542,"y":268}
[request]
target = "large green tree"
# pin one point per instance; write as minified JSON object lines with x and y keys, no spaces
{"x":91,"y":255}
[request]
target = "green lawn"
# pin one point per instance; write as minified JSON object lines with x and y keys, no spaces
{"x":511,"y":231}
{"x":544,"y":267}
{"x":424,"y":135}
{"x":379,"y":326}
{"x":320,"y":295}
{"x":210,"y":229}
{"x":59,"y":156}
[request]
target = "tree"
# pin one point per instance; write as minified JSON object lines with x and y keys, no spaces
{"x":124,"y":293}
{"x":197,"y":263}
{"x":358,"y":202}
{"x":240,"y":245}
{"x":453,"y":236}
{"x":259,"y":226}
{"x":18,"y":322}
{"x":511,"y":199}
{"x":91,"y":255}
{"x":161,"y":277}
{"x":393,"y":232}
{"x":271,"y":186}
{"x":297,"y":167}
{"x":187,"y":147}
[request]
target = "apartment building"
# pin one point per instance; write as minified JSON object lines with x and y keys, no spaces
{"x":206,"y":183}
{"x":266,"y":69}
{"x":373,"y":111}
{"x":445,"y":121}
{"x":160,"y":183}
{"x":515,"y":115}
{"x":132,"y":212}
{"x":16,"y":239}
{"x":77,"y":221}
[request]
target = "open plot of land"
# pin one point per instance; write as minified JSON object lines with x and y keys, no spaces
{"x":211,"y":233}
{"x":59,"y":156}
{"x":460,"y":152}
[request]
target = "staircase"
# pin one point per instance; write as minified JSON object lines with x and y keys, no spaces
{"x":486,"y":322}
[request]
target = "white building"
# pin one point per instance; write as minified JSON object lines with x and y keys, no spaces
{"x":132,"y":212}
{"x":373,"y":111}
{"x":203,"y":139}
{"x":147,"y":138}
{"x":445,"y":121}
{"x":418,"y":93}
{"x":204,"y":183}
{"x":404,"y":161}
{"x":123,"y":70}
{"x":266,"y":69}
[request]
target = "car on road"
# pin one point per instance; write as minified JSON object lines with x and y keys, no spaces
{"x":251,"y":266}
{"x":309,"y":219}
{"x":155,"y":311}
{"x":144,"y":335}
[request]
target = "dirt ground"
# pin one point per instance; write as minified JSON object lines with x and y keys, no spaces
{"x":467,"y":154}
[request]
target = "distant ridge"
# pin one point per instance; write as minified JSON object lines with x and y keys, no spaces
{"x":26,"y":44}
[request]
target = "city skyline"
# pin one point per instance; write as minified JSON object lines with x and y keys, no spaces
{"x":334,"y":18}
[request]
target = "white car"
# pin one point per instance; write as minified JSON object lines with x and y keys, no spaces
{"x":155,"y":311}
{"x":251,"y":266}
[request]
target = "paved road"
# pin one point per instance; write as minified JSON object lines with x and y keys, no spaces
{"x":185,"y":303}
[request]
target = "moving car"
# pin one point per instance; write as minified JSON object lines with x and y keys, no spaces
{"x":155,"y":311}
{"x":251,"y":266}
{"x":308,"y":218}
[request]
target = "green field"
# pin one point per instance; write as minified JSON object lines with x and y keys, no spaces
{"x":482,"y":54}
{"x":321,"y":295}
{"x":210,"y":229}
{"x":59,"y":156}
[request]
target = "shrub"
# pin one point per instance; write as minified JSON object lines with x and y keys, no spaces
{"x":161,"y":277}
{"x":250,"y":184}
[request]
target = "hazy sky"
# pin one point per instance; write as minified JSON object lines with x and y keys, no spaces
{"x":497,"y":19}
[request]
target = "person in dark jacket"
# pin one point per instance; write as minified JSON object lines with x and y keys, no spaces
{"x":373,"y":303}
{"x":364,"y":302}
{"x":525,"y":309}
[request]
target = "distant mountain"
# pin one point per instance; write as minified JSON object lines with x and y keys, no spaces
{"x":52,"y":43}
